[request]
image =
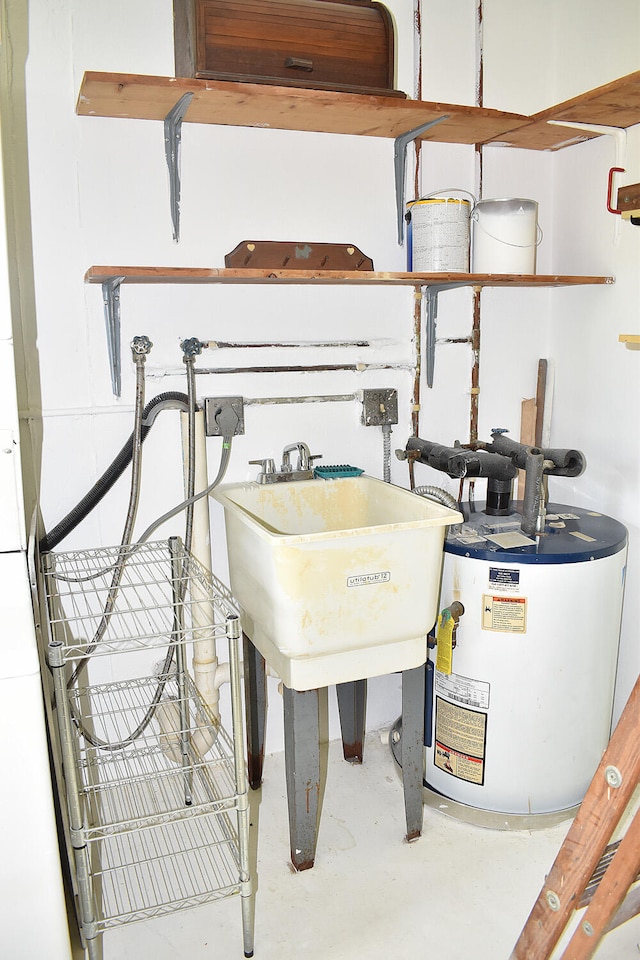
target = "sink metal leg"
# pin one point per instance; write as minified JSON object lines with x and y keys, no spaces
{"x":255,"y":689}
{"x":352,"y":702}
{"x":413,"y":690}
{"x":302,"y":765}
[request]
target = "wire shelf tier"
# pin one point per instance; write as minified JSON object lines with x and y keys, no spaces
{"x":148,"y":774}
{"x":174,"y":866}
{"x":79,"y":588}
{"x":154,"y":789}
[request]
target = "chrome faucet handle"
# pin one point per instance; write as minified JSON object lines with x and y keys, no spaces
{"x":268,"y":468}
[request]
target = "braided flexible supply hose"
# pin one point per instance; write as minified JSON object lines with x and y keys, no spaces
{"x":171,"y":400}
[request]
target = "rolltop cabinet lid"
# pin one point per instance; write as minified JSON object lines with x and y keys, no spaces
{"x":322,"y":44}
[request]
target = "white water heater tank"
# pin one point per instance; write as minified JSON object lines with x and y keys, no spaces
{"x":520,"y":724}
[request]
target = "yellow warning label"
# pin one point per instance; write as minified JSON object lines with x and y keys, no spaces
{"x":444,"y":640}
{"x":504,"y":614}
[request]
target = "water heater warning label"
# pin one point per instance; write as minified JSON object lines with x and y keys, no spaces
{"x":460,"y":741}
{"x":504,"y":614}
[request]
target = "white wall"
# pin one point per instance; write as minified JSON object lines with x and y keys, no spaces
{"x":548,"y":51}
{"x":99,"y":196}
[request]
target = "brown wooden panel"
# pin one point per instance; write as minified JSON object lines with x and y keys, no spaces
{"x":543,"y":136}
{"x":184,"y":37}
{"x":615,"y":104}
{"x":528,"y":414}
{"x":276,"y":254}
{"x":629,"y":197}
{"x":325,"y":44}
{"x":258,"y":105}
{"x":100,"y":274}
{"x":277,"y":19}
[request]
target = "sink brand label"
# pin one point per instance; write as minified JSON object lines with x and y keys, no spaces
{"x":366,"y":578}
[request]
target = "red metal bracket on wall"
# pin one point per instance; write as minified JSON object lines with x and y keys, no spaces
{"x":610,"y":189}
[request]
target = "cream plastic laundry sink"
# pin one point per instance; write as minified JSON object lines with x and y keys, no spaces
{"x":337,"y":579}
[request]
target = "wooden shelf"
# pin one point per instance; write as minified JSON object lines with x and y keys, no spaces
{"x":113,"y":277}
{"x":287,"y":108}
{"x":633,"y":338}
{"x":615,"y":104}
{"x":177,"y":275}
{"x":131,"y":96}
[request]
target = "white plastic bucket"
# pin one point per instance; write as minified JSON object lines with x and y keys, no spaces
{"x":505,"y":236}
{"x":438,"y":235}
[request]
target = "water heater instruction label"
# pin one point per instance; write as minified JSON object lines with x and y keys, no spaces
{"x":504,"y":614}
{"x":460,"y":741}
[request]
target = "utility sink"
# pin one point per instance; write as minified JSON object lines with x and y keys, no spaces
{"x":337,"y":579}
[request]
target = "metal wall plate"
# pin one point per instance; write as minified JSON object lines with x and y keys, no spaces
{"x":379,"y":407}
{"x":233,"y":407}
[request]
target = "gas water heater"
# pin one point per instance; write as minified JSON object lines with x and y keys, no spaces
{"x":519,"y":716}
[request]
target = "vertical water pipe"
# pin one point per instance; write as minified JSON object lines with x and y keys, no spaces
{"x":477,"y":291}
{"x":205,"y":661}
{"x":417,"y":291}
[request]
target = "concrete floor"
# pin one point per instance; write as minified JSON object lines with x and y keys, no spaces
{"x":460,"y":892}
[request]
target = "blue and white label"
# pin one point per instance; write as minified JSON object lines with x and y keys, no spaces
{"x":503,"y":578}
{"x":365,"y":579}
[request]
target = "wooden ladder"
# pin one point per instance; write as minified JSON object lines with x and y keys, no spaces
{"x":589,"y":870}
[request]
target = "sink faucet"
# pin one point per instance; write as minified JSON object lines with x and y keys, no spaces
{"x":302,"y":471}
{"x":304,"y":457}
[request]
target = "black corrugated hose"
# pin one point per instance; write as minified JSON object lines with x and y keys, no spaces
{"x":171,"y":399}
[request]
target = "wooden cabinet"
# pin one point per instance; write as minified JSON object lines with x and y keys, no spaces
{"x":318,"y":44}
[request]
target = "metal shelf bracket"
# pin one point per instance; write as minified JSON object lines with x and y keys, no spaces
{"x":172,"y":137}
{"x":111,"y":301}
{"x":400,"y":161}
{"x":431,"y":295}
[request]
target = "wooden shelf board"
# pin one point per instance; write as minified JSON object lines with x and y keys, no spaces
{"x":177,"y":275}
{"x":629,"y":338}
{"x":616,"y":104}
{"x":629,"y":199}
{"x":287,"y":108}
{"x":132,"y":96}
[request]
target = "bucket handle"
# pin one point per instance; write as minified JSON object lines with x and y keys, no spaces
{"x":507,"y":243}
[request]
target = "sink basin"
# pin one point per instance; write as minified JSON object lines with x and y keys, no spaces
{"x":337,"y":579}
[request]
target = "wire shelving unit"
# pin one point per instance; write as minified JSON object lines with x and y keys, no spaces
{"x":153,"y":789}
